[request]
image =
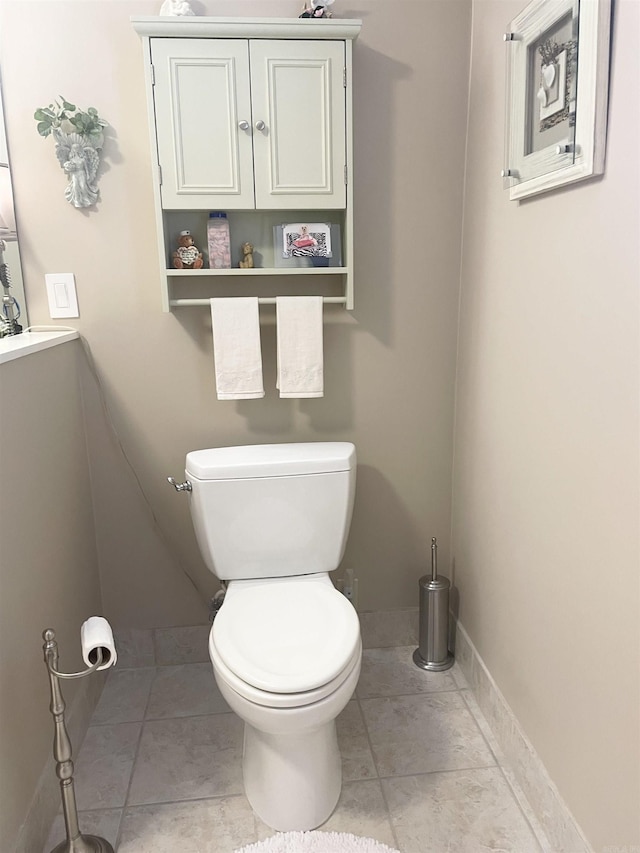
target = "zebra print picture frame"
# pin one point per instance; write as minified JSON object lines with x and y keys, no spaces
{"x":306,"y":240}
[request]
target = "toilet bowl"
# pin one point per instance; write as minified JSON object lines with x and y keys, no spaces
{"x":272,"y":522}
{"x":291,"y":762}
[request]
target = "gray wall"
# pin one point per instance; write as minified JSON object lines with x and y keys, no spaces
{"x":547,"y":436}
{"x":48,"y":567}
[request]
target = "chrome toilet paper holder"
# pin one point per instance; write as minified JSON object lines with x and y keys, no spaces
{"x":75,"y":842}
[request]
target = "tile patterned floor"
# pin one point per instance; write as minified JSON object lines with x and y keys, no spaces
{"x":160,"y":768}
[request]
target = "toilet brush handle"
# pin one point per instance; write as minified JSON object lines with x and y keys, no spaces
{"x":434,"y":558}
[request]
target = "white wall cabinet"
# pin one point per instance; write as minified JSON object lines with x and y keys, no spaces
{"x":251,"y":117}
{"x":250,"y":123}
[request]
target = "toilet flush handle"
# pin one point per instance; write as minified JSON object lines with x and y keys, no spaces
{"x":180,"y":487}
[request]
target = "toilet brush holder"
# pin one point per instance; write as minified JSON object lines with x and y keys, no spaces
{"x":433,"y":651}
{"x":76,"y":842}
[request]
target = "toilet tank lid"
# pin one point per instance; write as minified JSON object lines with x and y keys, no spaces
{"x":271,"y":460}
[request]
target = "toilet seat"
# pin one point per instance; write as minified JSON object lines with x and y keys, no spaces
{"x":286,"y":635}
{"x":277,"y":701}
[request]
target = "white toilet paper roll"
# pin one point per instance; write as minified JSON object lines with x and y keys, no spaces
{"x":96,"y":634}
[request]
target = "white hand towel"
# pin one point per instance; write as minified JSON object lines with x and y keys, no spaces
{"x":300,"y":354}
{"x":236,"y":347}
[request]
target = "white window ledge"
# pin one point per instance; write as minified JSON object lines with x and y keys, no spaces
{"x":18,"y":346}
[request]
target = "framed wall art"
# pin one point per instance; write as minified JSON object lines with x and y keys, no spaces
{"x":557,"y":88}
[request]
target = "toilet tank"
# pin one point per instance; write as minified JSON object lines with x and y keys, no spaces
{"x":272,"y":510}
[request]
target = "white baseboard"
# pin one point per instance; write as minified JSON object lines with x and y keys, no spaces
{"x":518,"y":754}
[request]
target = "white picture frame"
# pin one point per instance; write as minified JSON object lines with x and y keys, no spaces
{"x":557,"y":93}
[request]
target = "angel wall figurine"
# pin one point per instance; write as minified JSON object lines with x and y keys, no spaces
{"x":80,"y":161}
{"x":79,"y":137}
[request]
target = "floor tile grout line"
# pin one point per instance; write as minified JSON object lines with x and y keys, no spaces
{"x":188,"y":716}
{"x":154,"y":645}
{"x":499,"y":763}
{"x":148,"y":702}
{"x":541,"y":846}
{"x":419,"y":693}
{"x":366,"y":729}
{"x":209,"y":797}
{"x":144,"y":719}
{"x":389,"y":818}
{"x":479,"y":728}
{"x":114,"y":674}
{"x":198,"y":716}
{"x":120,"y":808}
{"x":135,"y":759}
{"x":81,"y":813}
{"x":378,"y":777}
{"x":440,"y":771}
{"x":166,"y":665}
{"x":455,"y":689}
{"x":145,"y":713}
{"x":99,"y":809}
{"x":126,"y":796}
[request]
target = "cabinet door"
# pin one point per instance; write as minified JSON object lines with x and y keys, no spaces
{"x":202,"y":97}
{"x":298,"y":92}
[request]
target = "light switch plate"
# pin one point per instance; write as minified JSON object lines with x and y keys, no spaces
{"x":61,"y":292}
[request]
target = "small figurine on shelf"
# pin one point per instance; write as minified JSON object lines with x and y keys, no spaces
{"x":317,"y":9}
{"x":247,"y":254}
{"x":187,"y":256}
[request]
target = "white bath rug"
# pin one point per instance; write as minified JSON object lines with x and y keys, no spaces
{"x":317,"y":842}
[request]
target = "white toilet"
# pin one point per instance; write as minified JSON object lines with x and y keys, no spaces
{"x":272,"y":521}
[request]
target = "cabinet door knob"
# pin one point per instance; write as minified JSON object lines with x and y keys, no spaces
{"x":260,"y":125}
{"x":243,"y":125}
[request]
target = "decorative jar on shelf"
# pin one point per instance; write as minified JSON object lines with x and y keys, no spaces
{"x":219,"y":242}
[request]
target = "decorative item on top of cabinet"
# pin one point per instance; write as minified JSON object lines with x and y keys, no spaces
{"x":317,"y":9}
{"x":274,"y":145}
{"x":176,"y":8}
